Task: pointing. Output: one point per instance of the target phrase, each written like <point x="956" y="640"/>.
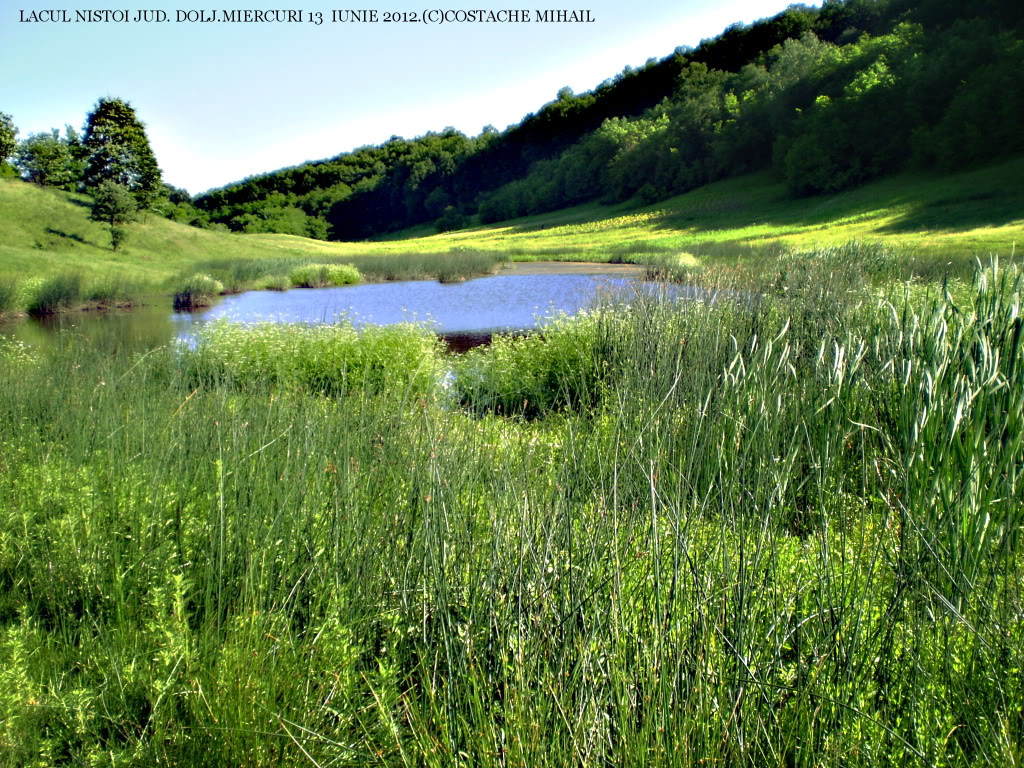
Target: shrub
<point x="450" y="220"/>
<point x="197" y="291"/>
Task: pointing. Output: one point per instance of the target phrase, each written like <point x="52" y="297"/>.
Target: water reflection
<point x="141" y="328"/>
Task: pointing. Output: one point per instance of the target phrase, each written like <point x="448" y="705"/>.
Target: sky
<point x="222" y="101"/>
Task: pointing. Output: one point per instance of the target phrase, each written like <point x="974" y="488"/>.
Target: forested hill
<point x="827" y="97"/>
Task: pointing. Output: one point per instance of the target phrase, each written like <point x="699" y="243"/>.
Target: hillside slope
<point x="963" y="215"/>
<point x="46" y="231"/>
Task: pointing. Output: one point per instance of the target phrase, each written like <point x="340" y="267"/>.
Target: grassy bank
<point x="774" y="528"/>
<point x="294" y="272"/>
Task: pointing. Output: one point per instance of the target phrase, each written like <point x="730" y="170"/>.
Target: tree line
<point x="825" y="98"/>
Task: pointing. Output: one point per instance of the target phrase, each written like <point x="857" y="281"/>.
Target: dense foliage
<point x="52" y="160"/>
<point x="113" y="162"/>
<point x="826" y="98"/>
<point x="8" y="137"/>
<point x="114" y="205"/>
<point x="118" y="151"/>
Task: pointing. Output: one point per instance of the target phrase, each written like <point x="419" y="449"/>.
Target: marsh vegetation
<point x="779" y="527"/>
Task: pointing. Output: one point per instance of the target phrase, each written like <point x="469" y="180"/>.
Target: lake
<point x="465" y="313"/>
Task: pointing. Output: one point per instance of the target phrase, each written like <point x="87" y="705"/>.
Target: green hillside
<point x="46" y="231"/>
<point x="826" y="99"/>
<point x="952" y="218"/>
<point x="961" y="215"/>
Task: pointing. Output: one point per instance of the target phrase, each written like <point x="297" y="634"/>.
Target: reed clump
<point x="335" y="359"/>
<point x="322" y="275"/>
<point x="198" y="290"/>
<point x="9" y="295"/>
<point x="113" y="291"/>
<point x="57" y="293"/>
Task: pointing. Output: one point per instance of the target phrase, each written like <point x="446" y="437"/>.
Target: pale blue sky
<point x="223" y="101"/>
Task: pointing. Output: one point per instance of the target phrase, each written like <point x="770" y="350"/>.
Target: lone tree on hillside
<point x="119" y="152"/>
<point x="115" y="206"/>
<point x="8" y="134"/>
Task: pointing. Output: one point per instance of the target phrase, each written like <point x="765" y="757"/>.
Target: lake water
<point x="466" y="313"/>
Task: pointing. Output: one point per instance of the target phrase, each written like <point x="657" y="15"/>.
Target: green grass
<point x="112" y="291"/>
<point x="947" y="218"/>
<point x="772" y="527"/>
<point x="8" y="295"/>
<point x="56" y="294"/>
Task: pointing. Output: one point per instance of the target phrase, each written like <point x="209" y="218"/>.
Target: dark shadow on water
<point x="134" y="330"/>
<point x="459" y="343"/>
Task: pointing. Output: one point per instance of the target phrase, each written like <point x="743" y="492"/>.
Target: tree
<point x="114" y="205"/>
<point x="46" y="159"/>
<point x="8" y="137"/>
<point x="119" y="152"/>
<point x="451" y="219"/>
<point x="79" y="156"/>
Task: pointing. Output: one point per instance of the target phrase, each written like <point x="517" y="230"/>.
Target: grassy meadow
<point x="772" y="527"/>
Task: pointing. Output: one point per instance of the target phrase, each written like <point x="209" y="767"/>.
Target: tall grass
<point x="56" y="294"/>
<point x="335" y="359"/>
<point x="8" y="295"/>
<point x="320" y="275"/>
<point x="113" y="290"/>
<point x="782" y="531"/>
<point x="67" y="291"/>
<point x="198" y="290"/>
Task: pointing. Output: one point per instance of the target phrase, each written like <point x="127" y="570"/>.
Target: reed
<point x="198" y="290"/>
<point x="779" y="528"/>
<point x="56" y="294"/>
<point x="9" y="295"/>
<point x="321" y="275"/>
<point x="113" y="291"/>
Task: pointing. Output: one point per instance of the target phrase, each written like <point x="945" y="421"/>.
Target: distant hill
<point x="824" y="98"/>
